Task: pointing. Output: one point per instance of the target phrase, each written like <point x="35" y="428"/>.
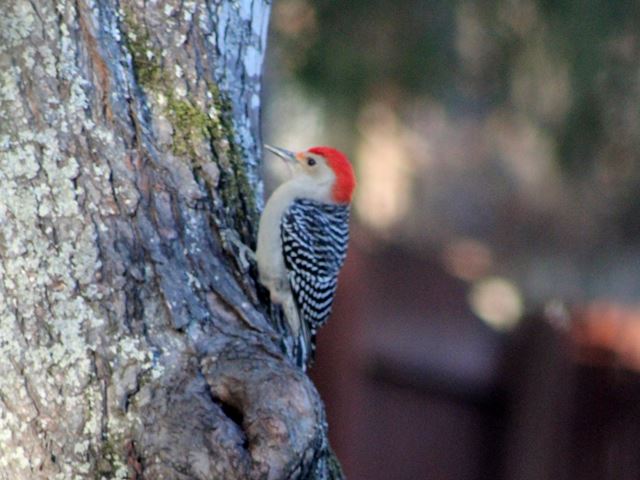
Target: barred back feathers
<point x="314" y="242"/>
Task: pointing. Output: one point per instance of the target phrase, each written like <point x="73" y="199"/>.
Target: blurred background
<point x="487" y="323"/>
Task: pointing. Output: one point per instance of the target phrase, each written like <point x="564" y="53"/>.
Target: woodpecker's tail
<point x="305" y="347"/>
<point x="298" y="346"/>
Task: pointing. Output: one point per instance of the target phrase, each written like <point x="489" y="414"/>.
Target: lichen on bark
<point x="49" y="303"/>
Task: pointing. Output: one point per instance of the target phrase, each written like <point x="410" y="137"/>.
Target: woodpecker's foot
<point x="244" y="255"/>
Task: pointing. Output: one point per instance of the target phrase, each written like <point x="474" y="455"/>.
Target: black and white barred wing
<point x="314" y="242"/>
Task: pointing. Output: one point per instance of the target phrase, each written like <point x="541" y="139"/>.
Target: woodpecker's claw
<point x="243" y="254"/>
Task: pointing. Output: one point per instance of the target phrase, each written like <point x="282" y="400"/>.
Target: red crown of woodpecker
<point x="345" y="179"/>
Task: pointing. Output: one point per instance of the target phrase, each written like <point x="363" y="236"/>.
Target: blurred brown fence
<point x="417" y="387"/>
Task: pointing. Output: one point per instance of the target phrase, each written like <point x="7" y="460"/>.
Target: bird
<point x="303" y="234"/>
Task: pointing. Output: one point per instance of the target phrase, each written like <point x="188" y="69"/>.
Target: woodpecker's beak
<point x="288" y="156"/>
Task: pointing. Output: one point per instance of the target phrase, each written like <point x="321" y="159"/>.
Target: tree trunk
<point x="132" y="345"/>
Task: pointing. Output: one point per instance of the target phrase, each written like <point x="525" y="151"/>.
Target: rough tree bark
<point x="131" y="343"/>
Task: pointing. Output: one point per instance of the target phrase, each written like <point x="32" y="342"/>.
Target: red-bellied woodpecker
<point x="302" y="240"/>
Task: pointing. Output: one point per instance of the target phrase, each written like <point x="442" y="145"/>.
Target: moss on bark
<point x="195" y="126"/>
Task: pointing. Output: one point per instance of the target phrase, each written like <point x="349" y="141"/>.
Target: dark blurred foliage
<point x="361" y="45"/>
<point x="355" y="48"/>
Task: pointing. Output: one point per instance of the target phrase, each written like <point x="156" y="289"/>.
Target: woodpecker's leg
<point x="291" y="312"/>
<point x="244" y="255"/>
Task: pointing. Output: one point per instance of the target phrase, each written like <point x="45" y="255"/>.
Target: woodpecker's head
<point x="325" y="167"/>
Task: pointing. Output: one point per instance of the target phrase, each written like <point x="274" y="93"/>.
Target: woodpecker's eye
<point x="311" y="161"/>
